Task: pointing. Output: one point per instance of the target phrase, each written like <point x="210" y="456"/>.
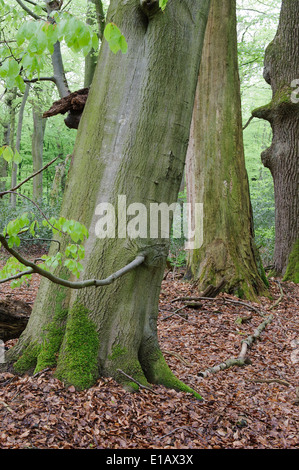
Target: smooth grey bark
<point x="132" y="141"/>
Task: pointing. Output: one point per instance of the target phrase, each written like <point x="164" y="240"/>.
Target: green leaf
<point x="13" y="68"/>
<point x="162" y="4"/>
<point x="7" y="154"/>
<point x="20" y="83"/>
<point x="115" y="38"/>
<point x="123" y="44"/>
<point x="17" y="158"/>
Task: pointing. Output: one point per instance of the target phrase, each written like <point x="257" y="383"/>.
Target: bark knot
<point x="150" y="7"/>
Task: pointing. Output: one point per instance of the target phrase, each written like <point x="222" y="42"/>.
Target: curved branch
<point x="65" y="283"/>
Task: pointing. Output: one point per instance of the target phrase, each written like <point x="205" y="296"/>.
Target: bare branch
<point x="27" y="179"/>
<point x="40" y="79"/>
<point x="30" y="12"/>
<point x="247" y="123"/>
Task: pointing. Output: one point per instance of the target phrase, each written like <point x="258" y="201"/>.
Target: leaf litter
<point x="251" y="407"/>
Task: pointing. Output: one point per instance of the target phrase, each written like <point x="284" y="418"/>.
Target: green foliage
<point x="12" y="267"/>
<point x="162" y="4"/>
<point x="71" y="257"/>
<point x="35" y="39"/>
<point x="115" y="38"/>
<point x="10" y="155"/>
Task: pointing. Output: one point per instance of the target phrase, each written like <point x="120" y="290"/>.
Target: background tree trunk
<point x="281" y="68"/>
<point x="15" y="167"/>
<point x="39" y="125"/>
<point x="216" y="175"/>
<point x="3" y="163"/>
<point x="132" y="141"/>
<point x="95" y="15"/>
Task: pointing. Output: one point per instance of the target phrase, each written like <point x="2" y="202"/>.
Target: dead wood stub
<point x="14" y="316"/>
<point x="73" y="104"/>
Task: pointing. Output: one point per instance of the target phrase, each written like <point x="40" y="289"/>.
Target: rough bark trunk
<point x="131" y="142"/>
<point x="215" y="170"/>
<point x="281" y="68"/>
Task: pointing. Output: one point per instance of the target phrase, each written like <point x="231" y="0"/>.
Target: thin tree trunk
<point x="37" y="151"/>
<point x="281" y="68"/>
<point x="131" y="142"/>
<point x="14" y="172"/>
<point x="215" y="170"/>
<point x="95" y="15"/>
<point x="3" y="163"/>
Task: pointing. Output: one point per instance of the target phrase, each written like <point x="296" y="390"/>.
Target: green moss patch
<point x="27" y="361"/>
<point x="78" y="358"/>
<point x="292" y="271"/>
<point x="158" y="372"/>
<point x="51" y="344"/>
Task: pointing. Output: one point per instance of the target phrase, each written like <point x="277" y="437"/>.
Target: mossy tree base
<point x="131" y="141"/>
<point x="292" y="271"/>
<point x="71" y="348"/>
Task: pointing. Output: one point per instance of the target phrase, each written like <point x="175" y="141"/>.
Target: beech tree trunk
<point x="132" y="141"/>
<point x="215" y="170"/>
<point x="281" y="69"/>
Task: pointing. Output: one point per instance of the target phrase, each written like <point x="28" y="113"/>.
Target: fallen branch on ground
<point x="178" y="356"/>
<point x="241" y="360"/>
<point x="135" y="381"/>
<point x="222" y="299"/>
<point x="269" y="381"/>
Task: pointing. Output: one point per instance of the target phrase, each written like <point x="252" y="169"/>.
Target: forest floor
<point x="251" y="407"/>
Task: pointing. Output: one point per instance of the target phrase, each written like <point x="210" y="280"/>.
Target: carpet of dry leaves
<point x="253" y="407"/>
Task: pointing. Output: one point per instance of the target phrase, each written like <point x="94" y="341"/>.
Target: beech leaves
<point x="115" y="38"/>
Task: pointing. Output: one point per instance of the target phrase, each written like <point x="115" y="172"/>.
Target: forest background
<point x="257" y="24"/>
